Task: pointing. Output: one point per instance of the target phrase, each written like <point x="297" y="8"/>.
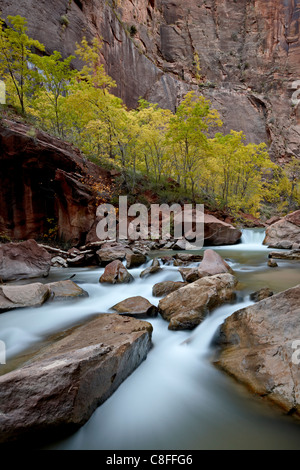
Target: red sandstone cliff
<point x="249" y="53"/>
<point x="43" y="186"/>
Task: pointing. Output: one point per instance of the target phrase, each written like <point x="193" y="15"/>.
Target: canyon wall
<point x="248" y="52"/>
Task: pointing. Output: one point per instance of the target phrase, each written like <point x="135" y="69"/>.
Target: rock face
<point x="137" y="307"/>
<point x="32" y="295"/>
<point x="63" y="385"/>
<point x="248" y="53"/>
<point x="24" y="260"/>
<point x="47" y="190"/>
<point x="284" y="233"/>
<point x="187" y="307"/>
<point x="259" y="348"/>
<point x="217" y="232"/>
<point x="116" y="273"/>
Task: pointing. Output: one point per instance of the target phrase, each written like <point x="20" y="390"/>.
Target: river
<point x="176" y="399"/>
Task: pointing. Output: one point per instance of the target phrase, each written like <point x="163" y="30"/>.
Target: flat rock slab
<point x="138" y="307"/>
<point x="289" y="255"/>
<point x="187" y="307"/>
<point x="259" y="348"/>
<point x="31" y="295"/>
<point x="59" y="389"/>
<point x="66" y="290"/>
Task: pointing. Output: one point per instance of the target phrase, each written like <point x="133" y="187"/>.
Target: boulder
<point x="116" y="273"/>
<point x="59" y="389"/>
<point x="284" y="233"/>
<point x="138" y="307"/>
<point x="262" y="294"/>
<point x="189" y="274"/>
<point x="187" y="307"/>
<point x="272" y="263"/>
<point x="31" y="295"/>
<point x="66" y="290"/>
<point x="134" y="260"/>
<point x="218" y="233"/>
<point x="153" y="269"/>
<point x="258" y="347"/>
<point x="212" y="264"/>
<point x="110" y="253"/>
<point x="162" y="289"/>
<point x="59" y="262"/>
<point x="25" y="260"/>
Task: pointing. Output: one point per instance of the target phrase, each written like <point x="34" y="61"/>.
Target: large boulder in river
<point x="212" y="264"/>
<point x="260" y="347"/>
<point x="31" y="295"/>
<point x="66" y="290"/>
<point x="116" y="273"/>
<point x="111" y="252"/>
<point x="60" y="388"/>
<point x="187" y="307"/>
<point x="284" y="233"/>
<point x="134" y="260"/>
<point x="138" y="307"/>
<point x="25" y="260"/>
<point x="217" y="232"/>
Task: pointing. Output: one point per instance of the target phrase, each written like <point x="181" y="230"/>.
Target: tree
<point x="16" y="52"/>
<point x="55" y="75"/>
<point x="188" y="136"/>
<point x="153" y="122"/>
<point x="292" y="170"/>
<point x="241" y="172"/>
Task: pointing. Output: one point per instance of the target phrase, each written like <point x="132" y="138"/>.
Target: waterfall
<point x="253" y="237"/>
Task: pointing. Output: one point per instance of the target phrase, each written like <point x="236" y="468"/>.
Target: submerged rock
<point x="60" y="388"/>
<point x="116" y="273"/>
<point x="258" y="347"/>
<point x="262" y="294"/>
<point x="138" y="307"/>
<point x="187" y="307"/>
<point x="290" y="255"/>
<point x="24" y="260"/>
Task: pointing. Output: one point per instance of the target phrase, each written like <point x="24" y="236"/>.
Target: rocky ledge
<point x="285" y="233"/>
<point x="258" y="347"/>
<point x="58" y="390"/>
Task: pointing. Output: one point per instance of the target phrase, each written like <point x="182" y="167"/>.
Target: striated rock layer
<point x="43" y="186"/>
<point x="248" y="55"/>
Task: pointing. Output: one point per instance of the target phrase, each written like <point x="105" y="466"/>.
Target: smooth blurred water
<point x="176" y="399"/>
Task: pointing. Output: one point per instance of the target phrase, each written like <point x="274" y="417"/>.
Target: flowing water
<point x="176" y="399"/>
